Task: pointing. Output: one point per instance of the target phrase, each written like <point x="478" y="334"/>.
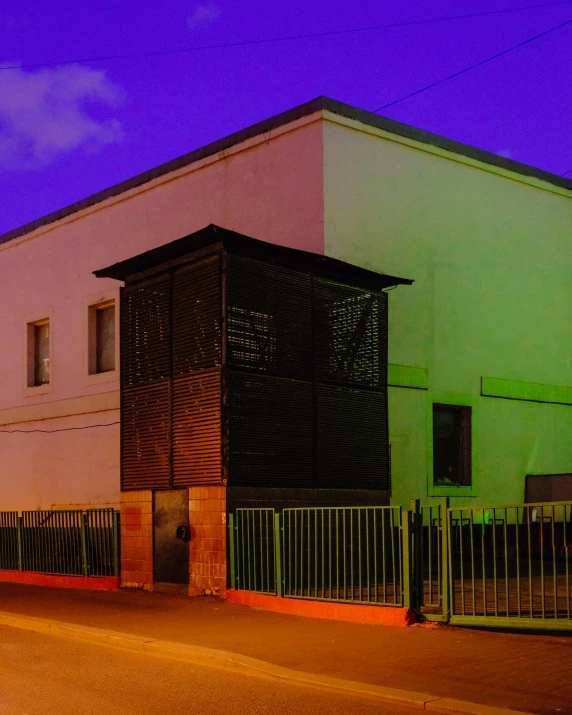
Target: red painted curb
<point x="107" y="583"/>
<point x="375" y="615"/>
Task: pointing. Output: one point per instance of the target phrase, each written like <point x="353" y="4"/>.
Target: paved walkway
<point x="531" y="673"/>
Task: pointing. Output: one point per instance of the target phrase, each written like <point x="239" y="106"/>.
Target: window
<point x="451" y="446"/>
<point x="39" y="353"/>
<point x="102" y="338"/>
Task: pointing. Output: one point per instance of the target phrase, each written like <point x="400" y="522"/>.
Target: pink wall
<point x="272" y="190"/>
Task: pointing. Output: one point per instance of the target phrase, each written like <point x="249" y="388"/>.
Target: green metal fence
<point x="253" y="550"/>
<point x="64" y="542"/>
<point x="343" y="554"/>
<point x="9" y="541"/>
<point x="429" y="564"/>
<point x="511" y="565"/>
<point x="352" y="554"/>
<point x="503" y="566"/>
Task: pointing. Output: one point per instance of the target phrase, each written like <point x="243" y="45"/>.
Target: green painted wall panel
<point x="491" y="261"/>
<point x="533" y="391"/>
<point x="407" y="376"/>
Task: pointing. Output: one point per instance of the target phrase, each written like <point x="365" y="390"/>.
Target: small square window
<point x="39" y="353"/>
<point x="102" y="338"/>
<point x="451" y="446"/>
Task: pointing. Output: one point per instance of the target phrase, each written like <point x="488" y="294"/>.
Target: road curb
<point x="200" y="655"/>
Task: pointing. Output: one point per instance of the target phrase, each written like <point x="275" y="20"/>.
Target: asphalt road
<point x="43" y="674"/>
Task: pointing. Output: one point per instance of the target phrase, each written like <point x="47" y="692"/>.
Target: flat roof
<point x="175" y="252"/>
<point x="303" y="110"/>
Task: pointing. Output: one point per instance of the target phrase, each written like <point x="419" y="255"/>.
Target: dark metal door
<point x="171" y="536"/>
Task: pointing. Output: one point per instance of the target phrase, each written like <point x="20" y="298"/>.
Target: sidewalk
<point x="531" y="673"/>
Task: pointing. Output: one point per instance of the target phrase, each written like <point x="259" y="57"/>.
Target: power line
<point x="285" y="38"/>
<point x="472" y="67"/>
<point x="566" y="172"/>
<point x="51" y="431"/>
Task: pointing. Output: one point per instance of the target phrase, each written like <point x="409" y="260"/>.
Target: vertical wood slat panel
<point x="197" y="429"/>
<point x="145" y="436"/>
<point x="171" y="397"/>
<point x="146" y="332"/>
<point x="197" y="316"/>
<point x="145" y="389"/>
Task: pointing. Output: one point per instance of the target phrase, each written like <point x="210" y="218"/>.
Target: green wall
<point x="491" y="257"/>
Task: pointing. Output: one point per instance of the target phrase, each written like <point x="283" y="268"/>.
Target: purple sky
<point x="68" y="131"/>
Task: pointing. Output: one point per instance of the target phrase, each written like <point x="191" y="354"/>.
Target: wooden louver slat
<point x="197" y="429"/>
<point x="352" y="438"/>
<point x="350" y="334"/>
<point x="270" y="431"/>
<point x="197" y="316"/>
<point x="145" y="436"/>
<point x="145" y="332"/>
<point x="268" y="319"/>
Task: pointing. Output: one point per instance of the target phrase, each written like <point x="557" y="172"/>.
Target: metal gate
<point x="506" y="566"/>
<point x="510" y="565"/>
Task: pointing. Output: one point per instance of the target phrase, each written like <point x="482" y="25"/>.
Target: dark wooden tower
<point x="251" y="366"/>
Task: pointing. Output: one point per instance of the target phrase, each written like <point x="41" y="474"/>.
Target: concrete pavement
<point x="41" y="675"/>
<point x="528" y="673"/>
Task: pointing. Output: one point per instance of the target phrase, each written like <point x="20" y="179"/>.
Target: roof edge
<point x="410" y="132"/>
<point x="181" y="250"/>
<point x="303" y="110"/>
<point x="254" y="130"/>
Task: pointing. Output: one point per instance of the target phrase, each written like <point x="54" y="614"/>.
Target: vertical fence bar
<point x="368" y="579"/>
<point x="383" y="552"/>
<point x="116" y="542"/>
<point x="19" y="537"/>
<point x="495" y="575"/>
<point x="444" y="551"/>
<point x="323" y="558"/>
<point x="406" y="555"/>
<point x="83" y="522"/>
<point x="375" y="554"/>
<point x="505" y="539"/>
<point x="231" y="546"/>
<point x="393" y="554"/>
<point x="451" y="581"/>
<point x="472" y="547"/>
<point x="517" y="540"/>
<point x="277" y="555"/>
<point x="542" y="585"/>
<point x="567" y="517"/>
<point x="528" y="521"/>
<point x="554" y="582"/>
<point x="417" y="555"/>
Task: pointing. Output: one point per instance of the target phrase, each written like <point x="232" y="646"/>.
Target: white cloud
<point x="7" y="22"/>
<point x="52" y="111"/>
<point x="203" y="14"/>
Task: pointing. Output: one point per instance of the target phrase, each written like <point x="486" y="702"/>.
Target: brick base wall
<point x="207" y="516"/>
<point x="137" y="540"/>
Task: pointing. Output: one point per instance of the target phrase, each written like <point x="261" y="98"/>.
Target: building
<point x="480" y="366"/>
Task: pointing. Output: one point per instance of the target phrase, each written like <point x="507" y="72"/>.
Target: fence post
<point x="83" y="518"/>
<point x="231" y="551"/>
<point x="416" y="554"/>
<point x="116" y="543"/>
<point x="445" y="559"/>
<point x="278" y="554"/>
<point x="406" y="550"/>
<point x="19" y="537"/>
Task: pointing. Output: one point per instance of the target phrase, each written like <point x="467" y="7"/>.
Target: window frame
<point x="32" y="321"/>
<point x="94" y="303"/>
<point x="459" y="400"/>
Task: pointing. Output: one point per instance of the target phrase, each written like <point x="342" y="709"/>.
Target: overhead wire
<point x="474" y="66"/>
<point x="51" y="431"/>
<point x="284" y="38"/>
